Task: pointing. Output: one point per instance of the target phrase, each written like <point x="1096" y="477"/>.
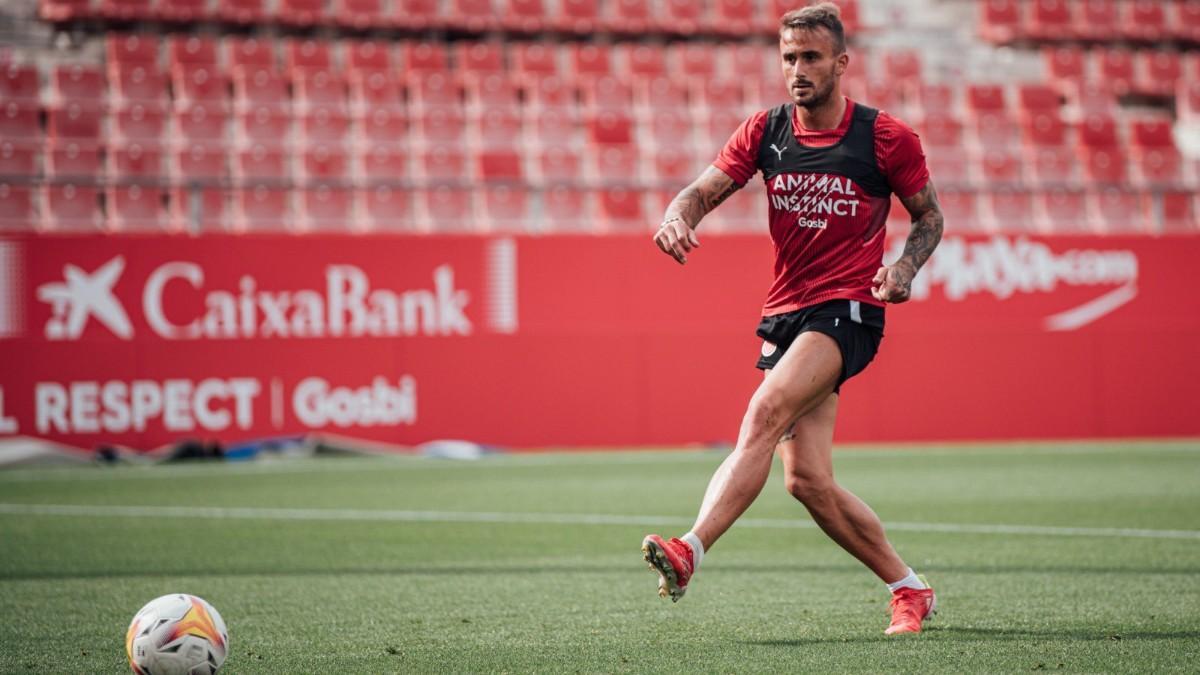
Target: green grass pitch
<point x="532" y="563"/>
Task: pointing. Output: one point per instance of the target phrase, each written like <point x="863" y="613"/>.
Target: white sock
<point x="910" y="581"/>
<point x="697" y="548"/>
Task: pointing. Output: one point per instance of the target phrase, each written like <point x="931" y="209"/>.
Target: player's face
<point x="811" y="65"/>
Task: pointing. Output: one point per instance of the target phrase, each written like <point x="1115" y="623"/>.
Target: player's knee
<point x="767" y="412"/>
<point x="810" y="489"/>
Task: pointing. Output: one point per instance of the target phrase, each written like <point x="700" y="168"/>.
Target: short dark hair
<point x="823" y="15"/>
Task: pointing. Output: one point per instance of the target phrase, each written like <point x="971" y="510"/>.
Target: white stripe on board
<point x="374" y="515"/>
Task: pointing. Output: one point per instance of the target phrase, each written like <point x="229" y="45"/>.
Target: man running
<point x="830" y="166"/>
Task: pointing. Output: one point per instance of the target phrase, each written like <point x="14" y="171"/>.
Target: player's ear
<point x="840" y="63"/>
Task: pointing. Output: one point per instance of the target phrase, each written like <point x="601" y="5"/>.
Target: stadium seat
<point x="19" y="83"/>
<point x="589" y="60"/>
<point x="1157" y="72"/>
<point x="257" y="86"/>
<point x="322" y="124"/>
<point x="1050" y="20"/>
<point x="73" y="160"/>
<point x="249" y="53"/>
<point x="578" y="16"/>
<point x="994" y="130"/>
<point x="1104" y="165"/>
<point x="199" y="209"/>
<point x="444" y="209"/>
<point x="1158" y="167"/>
<point x="933" y="97"/>
<point x="444" y="164"/>
<point x="1044" y="129"/>
<point x="1063" y="211"/>
<point x="136" y="83"/>
<point x="491" y="90"/>
<point x="19" y="159"/>
<point x="262" y="125"/>
<point x="135" y="208"/>
<point x="474" y="16"/>
<point x="630" y="17"/>
<point x="1000" y="167"/>
<point x="950" y="167"/>
<point x="1054" y="166"/>
<point x="306" y="55"/>
<point x="381" y="163"/>
<point x="323" y="163"/>
<point x="371" y="90"/>
<point x="680" y="17"/>
<point x="17" y="210"/>
<point x="425" y="57"/>
<point x="199" y="123"/>
<point x="663" y="93"/>
<point x="134" y="160"/>
<point x="70" y="207"/>
<point x="1097" y="20"/>
<point x="1001" y="21"/>
<point x="1098" y="131"/>
<point x="77" y="84"/>
<point x="479" y="57"/>
<point x="440" y="126"/>
<point x="672" y="166"/>
<point x="191" y="50"/>
<point x="1065" y="64"/>
<point x="556" y="128"/>
<point x="1033" y="98"/>
<point x="259" y="163"/>
<point x="125" y="10"/>
<point x="1009" y="211"/>
<point x="1151" y="133"/>
<point x="194" y="83"/>
<point x="735" y="18"/>
<point x="367" y="57"/>
<point x="506" y="208"/>
<point x="382" y="126"/>
<point x="1114" y="67"/>
<point x="75" y="121"/>
<point x="57" y="11"/>
<point x="719" y="94"/>
<point x="134" y="49"/>
<point x="301" y="12"/>
<point x="416" y="14"/>
<point x="641" y="60"/>
<point x="961" y="210"/>
<point x="610" y="127"/>
<point x="19" y="120"/>
<point x="1179" y="213"/>
<point x="245" y="12"/>
<point x="566" y="209"/>
<point x="1188" y="101"/>
<point x="262" y="208"/>
<point x="671" y="127"/>
<point x="557" y="166"/>
<point x="1121" y="211"/>
<point x="693" y="60"/>
<point x="499" y="127"/>
<point x="138" y="122"/>
<point x="622" y="210"/>
<point x="1187" y="21"/>
<point x="606" y="92"/>
<point x="522" y="16"/>
<point x="901" y="66"/>
<point x="986" y="98"/>
<point x="385" y="209"/>
<point x="182" y="11"/>
<point x="613" y="163"/>
<point x="318" y="88"/>
<point x="548" y="92"/>
<point x="940" y="129"/>
<point x="327" y="208"/>
<point x="1144" y="20"/>
<point x="434" y="90"/>
<point x="535" y="58"/>
<point x="197" y="163"/>
<point x="718" y="126"/>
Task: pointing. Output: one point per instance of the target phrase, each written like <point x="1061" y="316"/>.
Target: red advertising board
<point x="569" y="341"/>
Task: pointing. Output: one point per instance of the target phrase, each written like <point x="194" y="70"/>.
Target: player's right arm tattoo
<point x="703" y="195"/>
<point x="926" y="226"/>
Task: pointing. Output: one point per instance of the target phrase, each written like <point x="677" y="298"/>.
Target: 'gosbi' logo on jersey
<point x="813" y="195"/>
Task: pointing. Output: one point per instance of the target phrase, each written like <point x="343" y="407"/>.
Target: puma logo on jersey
<point x="779" y="151"/>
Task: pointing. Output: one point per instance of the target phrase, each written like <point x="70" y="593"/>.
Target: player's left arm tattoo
<point x="926" y="228"/>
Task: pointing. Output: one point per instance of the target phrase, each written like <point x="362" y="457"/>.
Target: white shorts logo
<point x="768" y="348"/>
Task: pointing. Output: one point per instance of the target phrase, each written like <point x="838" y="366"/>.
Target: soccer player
<point x="830" y="166"/>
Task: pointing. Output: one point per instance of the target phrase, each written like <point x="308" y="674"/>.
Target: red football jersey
<point x="828" y="229"/>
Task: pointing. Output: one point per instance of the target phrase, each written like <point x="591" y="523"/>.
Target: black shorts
<point x="856" y="327"/>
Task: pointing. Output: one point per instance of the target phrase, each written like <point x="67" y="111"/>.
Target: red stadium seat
<point x="1188" y="101"/>
<point x="445" y="209"/>
<point x="749" y="61"/>
<point x="640" y="60"/>
<point x="994" y="130"/>
<point x="606" y="93"/>
<point x="499" y="127"/>
<point x="445" y="164"/>
<point x="479" y="57"/>
<point x="1097" y="20"/>
<point x="941" y="129"/>
<point x="425" y="57"/>
<point x="370" y="90"/>
<point x="986" y="98"/>
<point x="1063" y="211"/>
<point x="64" y="10"/>
<point x="733" y="17"/>
<point x="77" y="84"/>
<point x="259" y="163"/>
<point x="134" y="160"/>
<point x="262" y="208"/>
<point x="249" y="53"/>
<point x="382" y="125"/>
<point x="1157" y="72"/>
<point x="1065" y="64"/>
<point x="1009" y="211"/>
<point x="935" y="97"/>
<point x="718" y="126"/>
<point x="139" y="122"/>
<point x="719" y="94"/>
<point x="557" y="166"/>
<point x="1144" y="20"/>
<point x="1114" y="67"/>
<point x="306" y="55"/>
<point x="435" y="90"/>
<point x="135" y="208"/>
<point x="621" y="210"/>
<point x="999" y="167"/>
<point x="132" y="49"/>
<point x="312" y="88"/>
<point x="199" y="84"/>
<point x="191" y="50"/>
<point x="17" y="210"/>
<point x="183" y="11"/>
<point x="578" y="16"/>
<point x="680" y="17"/>
<point x="671" y="127"/>
<point x="1151" y="133"/>
<point x="19" y="159"/>
<point x="567" y="209"/>
<point x="19" y="83"/>
<point x="961" y="210"/>
<point x="548" y="92"/>
<point x="662" y="93"/>
<point x="902" y="65"/>
<point x="322" y="124"/>
<point x="1038" y="98"/>
<point x="474" y="16"/>
<point x="1098" y="131"/>
<point x="70" y="207"/>
<point x="323" y="163"/>
<point x="368" y="56"/>
<point x="255" y="86"/>
<point x="1158" y="167"/>
<point x="381" y="163"/>
<point x="198" y="162"/>
<point x="385" y="208"/>
<point x="692" y="59"/>
<point x="1045" y="129"/>
<point x="72" y="159"/>
<point x="1104" y="165"/>
<point x="76" y="121"/>
<point x="949" y="167"/>
<point x="416" y="14"/>
<point x="242" y="11"/>
<point x="491" y="90"/>
<point x="589" y="60"/>
<point x="672" y="165"/>
<point x="199" y="123"/>
<point x="535" y="58"/>
<point x="1054" y="166"/>
<point x="610" y="128"/>
<point x="202" y="210"/>
<point x="1050" y="20"/>
<point x="631" y="17"/>
<point x="555" y="127"/>
<point x="613" y="163"/>
<point x="1179" y="212"/>
<point x="499" y="165"/>
<point x="1187" y="21"/>
<point x="326" y="208"/>
<point x="19" y="120"/>
<point x="125" y="10"/>
<point x="262" y="125"/>
<point x="136" y="83"/>
<point x="302" y="12"/>
<point x="506" y="208"/>
<point x="1121" y="211"/>
<point x="522" y="16"/>
<point x="1001" y="21"/>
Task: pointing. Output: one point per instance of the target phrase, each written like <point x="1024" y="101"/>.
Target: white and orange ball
<point x="177" y="634"/>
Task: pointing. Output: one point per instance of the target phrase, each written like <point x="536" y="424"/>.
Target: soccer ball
<point x="177" y="634"/>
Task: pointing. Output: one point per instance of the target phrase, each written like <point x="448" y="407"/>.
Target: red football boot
<point x="910" y="607"/>
<point x="673" y="560"/>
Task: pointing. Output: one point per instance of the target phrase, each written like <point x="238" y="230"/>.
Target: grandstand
<point x="463" y="116"/>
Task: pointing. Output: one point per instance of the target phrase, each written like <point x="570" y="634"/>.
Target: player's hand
<point x="676" y="239"/>
<point x="893" y="283"/>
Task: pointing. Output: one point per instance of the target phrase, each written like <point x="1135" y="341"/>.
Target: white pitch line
<point x="373" y="515"/>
